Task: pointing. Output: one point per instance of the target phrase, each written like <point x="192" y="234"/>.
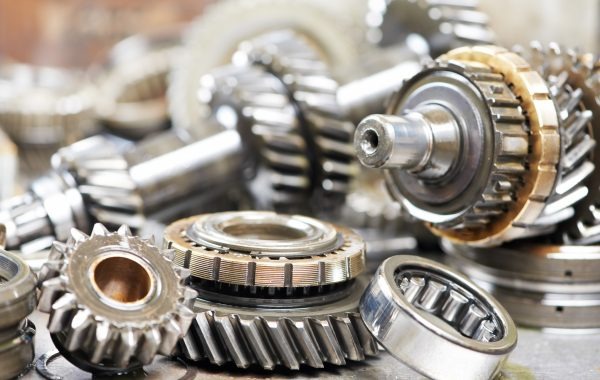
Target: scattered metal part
<point x="119" y="290"/>
<point x="456" y="329"/>
<point x="41" y="365"/>
<point x="305" y="335"/>
<point x="132" y="90"/>
<point x="483" y="201"/>
<point x="17" y="291"/>
<point x="17" y="352"/>
<point x="541" y="285"/>
<point x="443" y="25"/>
<point x="265" y="249"/>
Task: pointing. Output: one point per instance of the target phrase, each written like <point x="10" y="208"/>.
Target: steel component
<point x="457" y="329"/>
<point x="306" y="335"/>
<point x="118" y="290"/>
<point x="133" y="84"/>
<point x="541" y="285"/>
<point x="443" y="25"/>
<point x="237" y="21"/>
<point x="17" y="291"/>
<point x="17" y="352"/>
<point x="511" y="119"/>
<point x="257" y="248"/>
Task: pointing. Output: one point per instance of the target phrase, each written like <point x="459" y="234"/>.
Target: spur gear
<point x="235" y="21"/>
<point x="443" y="24"/>
<point x="329" y="332"/>
<point x="512" y="119"/>
<point x="119" y="291"/>
<point x="265" y="249"/>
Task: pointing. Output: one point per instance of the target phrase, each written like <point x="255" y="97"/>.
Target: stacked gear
<point x="17" y="301"/>
<point x="119" y="291"/>
<point x="481" y="148"/>
<point x="274" y="290"/>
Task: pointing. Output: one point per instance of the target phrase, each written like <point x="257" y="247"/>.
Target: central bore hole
<point x="370" y="141"/>
<point x="122" y="279"/>
<point x="264" y="231"/>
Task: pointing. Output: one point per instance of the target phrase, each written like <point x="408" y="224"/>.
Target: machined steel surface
<point x="541" y="285"/>
<point x="17" y="291"/>
<point x="457" y="330"/>
<point x="265" y="249"/>
<point x="118" y="290"/>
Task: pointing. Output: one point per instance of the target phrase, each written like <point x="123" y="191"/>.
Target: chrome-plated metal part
<point x="511" y="118"/>
<point x="441" y="25"/>
<point x="237" y="21"/>
<point x="265" y="249"/>
<point x="541" y="285"/>
<point x="132" y="87"/>
<point x="119" y="291"/>
<point x="456" y="329"/>
<point x="17" y="291"/>
<point x="329" y="332"/>
<point x="17" y="352"/>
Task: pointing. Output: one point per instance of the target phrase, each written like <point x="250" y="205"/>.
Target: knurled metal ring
<point x="17" y="352"/>
<point x="436" y="321"/>
<point x="258" y="248"/>
<point x="540" y="179"/>
<point x="17" y="290"/>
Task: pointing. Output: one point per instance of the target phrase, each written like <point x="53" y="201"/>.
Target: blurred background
<point x="76" y="33"/>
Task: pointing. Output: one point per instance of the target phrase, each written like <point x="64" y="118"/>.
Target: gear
<point x="236" y="21"/>
<point x="482" y="201"/>
<point x="292" y="58"/>
<point x="443" y="24"/>
<point x="328" y="332"/>
<point x="119" y="291"/>
<point x="265" y="249"/>
<point x="269" y="119"/>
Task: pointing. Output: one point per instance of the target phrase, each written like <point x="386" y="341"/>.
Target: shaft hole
<point x="370" y="141"/>
<point x="568" y="273"/>
<point x="559" y="309"/>
<point x="122" y="279"/>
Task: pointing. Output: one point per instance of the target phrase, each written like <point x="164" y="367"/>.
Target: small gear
<point x="303" y="69"/>
<point x="443" y="24"/>
<point x="265" y="249"/>
<point x="235" y="21"/>
<point x="311" y="335"/>
<point x="118" y="291"/>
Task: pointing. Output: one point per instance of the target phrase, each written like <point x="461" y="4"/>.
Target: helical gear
<point x="236" y="21"/>
<point x="118" y="291"/>
<point x="293" y="59"/>
<point x="268" y="117"/>
<point x="443" y="24"/>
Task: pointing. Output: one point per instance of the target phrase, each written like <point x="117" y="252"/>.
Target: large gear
<point x="516" y="146"/>
<point x="312" y="335"/>
<point x="303" y="69"/>
<point x="240" y="20"/>
<point x="267" y="116"/>
<point x="443" y="24"/>
<point x="265" y="249"/>
<point x="119" y="291"/>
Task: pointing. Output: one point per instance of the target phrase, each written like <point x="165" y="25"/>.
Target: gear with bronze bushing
<point x="118" y="291"/>
<point x="472" y="146"/>
<point x="265" y="249"/>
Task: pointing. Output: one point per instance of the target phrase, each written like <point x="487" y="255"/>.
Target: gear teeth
<point x="61" y="313"/>
<point x="285" y="341"/>
<point x="54" y="288"/>
<point x="99" y="230"/>
<point x="77" y="237"/>
<point x="149" y="347"/>
<point x="103" y="336"/>
<point x="78" y="333"/>
<point x="124" y="231"/>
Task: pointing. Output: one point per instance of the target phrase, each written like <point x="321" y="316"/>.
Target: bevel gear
<point x="329" y="331"/>
<point x="265" y="249"/>
<point x="330" y="30"/>
<point x="444" y="24"/>
<point x="304" y="71"/>
<point x="482" y="185"/>
<point x="115" y="300"/>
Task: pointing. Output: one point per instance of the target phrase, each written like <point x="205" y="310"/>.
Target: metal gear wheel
<point x="17" y="292"/>
<point x="517" y="126"/>
<point x="444" y="24"/>
<point x="322" y="23"/>
<point x="266" y="115"/>
<point x="330" y="331"/>
<point x="119" y="291"/>
<point x="304" y="70"/>
<point x="265" y="249"/>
